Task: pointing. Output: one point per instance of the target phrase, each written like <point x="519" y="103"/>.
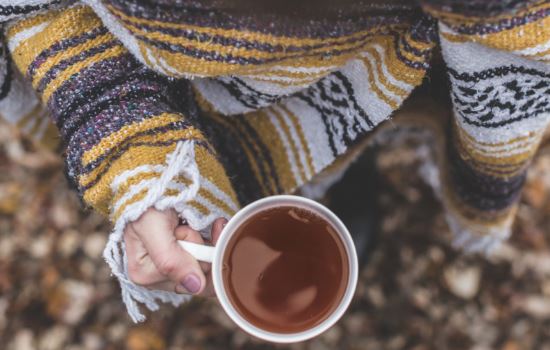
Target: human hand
<point x="157" y="261"/>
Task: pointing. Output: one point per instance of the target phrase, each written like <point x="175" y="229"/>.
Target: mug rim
<point x="228" y="232"/>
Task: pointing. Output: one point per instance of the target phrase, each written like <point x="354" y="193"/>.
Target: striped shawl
<point x="194" y="106"/>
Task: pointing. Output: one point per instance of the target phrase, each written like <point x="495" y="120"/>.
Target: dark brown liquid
<point x="285" y="270"/>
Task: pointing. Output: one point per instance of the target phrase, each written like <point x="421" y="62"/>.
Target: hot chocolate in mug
<point x="284" y="268"/>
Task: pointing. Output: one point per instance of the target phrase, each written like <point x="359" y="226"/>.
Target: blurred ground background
<point x="416" y="292"/>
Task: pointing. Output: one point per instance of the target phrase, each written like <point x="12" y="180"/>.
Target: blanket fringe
<point x="181" y="161"/>
<point x="463" y="238"/>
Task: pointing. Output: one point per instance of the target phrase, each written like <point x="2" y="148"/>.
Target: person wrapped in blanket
<point x="189" y="109"/>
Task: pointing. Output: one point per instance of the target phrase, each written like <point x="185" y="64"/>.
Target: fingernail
<point x="192" y="283"/>
<point x="225" y="221"/>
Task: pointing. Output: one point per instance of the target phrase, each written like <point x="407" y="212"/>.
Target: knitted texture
<point x="195" y="106"/>
<point x="20" y="106"/>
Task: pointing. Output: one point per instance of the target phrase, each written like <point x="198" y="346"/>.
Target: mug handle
<point x="200" y="252"/>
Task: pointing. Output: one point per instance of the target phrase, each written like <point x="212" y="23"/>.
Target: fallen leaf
<point x="463" y="281"/>
<point x="144" y="338"/>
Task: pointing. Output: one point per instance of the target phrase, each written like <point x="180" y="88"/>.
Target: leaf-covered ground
<point x="417" y="292"/>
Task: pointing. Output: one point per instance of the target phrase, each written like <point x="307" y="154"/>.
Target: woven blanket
<point x="202" y="107"/>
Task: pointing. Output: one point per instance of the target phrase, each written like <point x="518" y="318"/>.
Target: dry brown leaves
<point x="416" y="292"/>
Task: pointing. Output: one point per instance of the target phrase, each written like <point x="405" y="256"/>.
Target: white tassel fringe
<point x="181" y="161"/>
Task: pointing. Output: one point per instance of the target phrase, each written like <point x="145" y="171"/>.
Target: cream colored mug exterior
<point x="214" y="255"/>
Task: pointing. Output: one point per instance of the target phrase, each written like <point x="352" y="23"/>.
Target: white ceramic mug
<point x="214" y="255"/>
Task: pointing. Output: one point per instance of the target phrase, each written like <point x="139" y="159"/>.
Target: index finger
<point x="217" y="228"/>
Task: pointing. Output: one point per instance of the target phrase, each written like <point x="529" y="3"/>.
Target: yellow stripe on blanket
<point x="65" y="76"/>
<point x="117" y="138"/>
<point x="527" y="36"/>
<point x="247" y="35"/>
<point x="459" y="19"/>
<point x="69" y="53"/>
<point x="69" y="23"/>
